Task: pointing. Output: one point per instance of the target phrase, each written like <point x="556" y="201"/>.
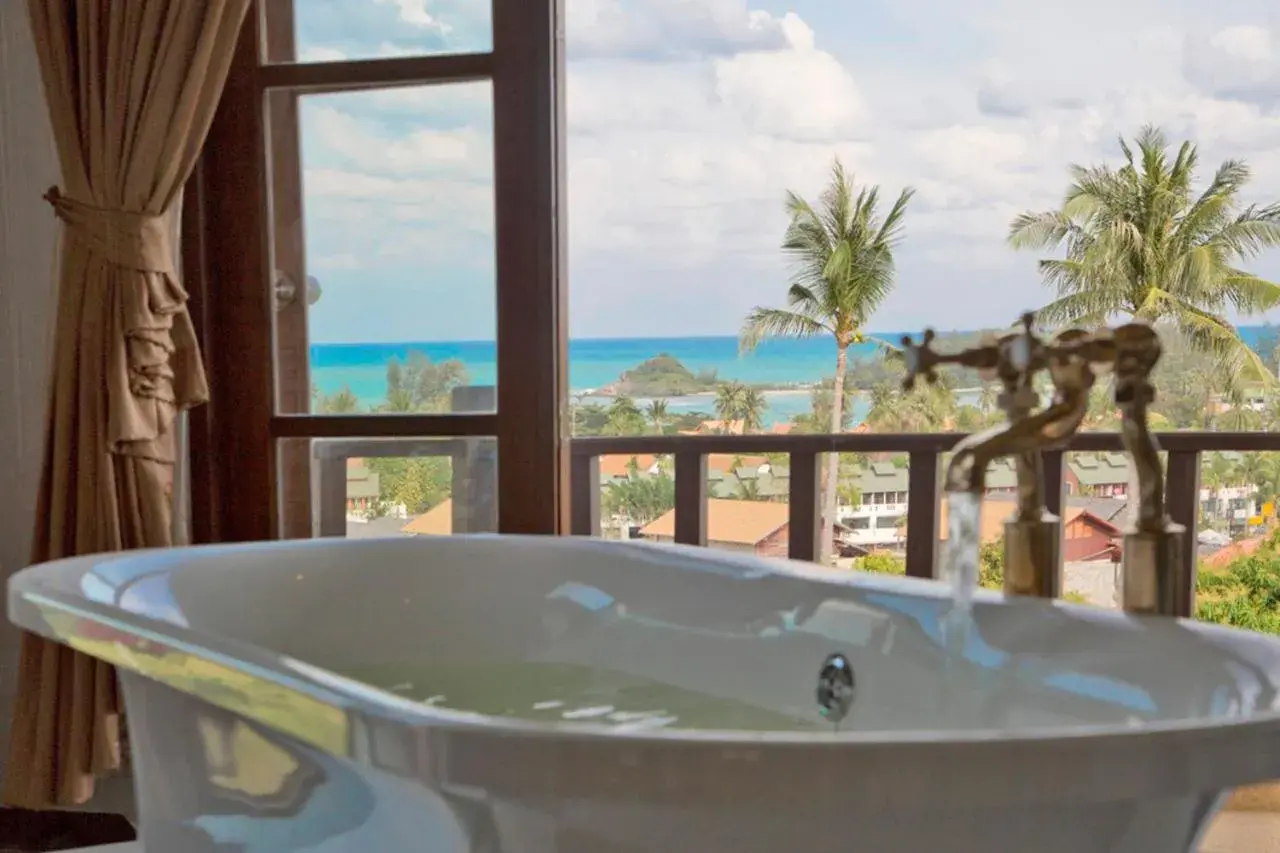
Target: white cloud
<point x="689" y="119"/>
<point x="1248" y="43"/>
<point x="670" y="27"/>
<point x="797" y="91"/>
<point x="1238" y="63"/>
<point x="417" y="13"/>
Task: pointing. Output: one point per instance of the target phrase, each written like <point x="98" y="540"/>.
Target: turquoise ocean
<point x="596" y="362"/>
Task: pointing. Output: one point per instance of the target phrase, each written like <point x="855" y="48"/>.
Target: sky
<point x="689" y="120"/>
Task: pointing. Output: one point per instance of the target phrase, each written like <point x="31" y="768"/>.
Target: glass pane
<point x="338" y="30"/>
<point x="383" y="209"/>
<point x="362" y="488"/>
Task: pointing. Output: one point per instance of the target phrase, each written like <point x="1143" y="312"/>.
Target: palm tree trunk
<point x="833" y="459"/>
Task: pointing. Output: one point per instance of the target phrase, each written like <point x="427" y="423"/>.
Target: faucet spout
<point x="1074" y="360"/>
<point x="1033" y="535"/>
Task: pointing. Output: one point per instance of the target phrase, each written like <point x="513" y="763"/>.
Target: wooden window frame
<point x="242" y="221"/>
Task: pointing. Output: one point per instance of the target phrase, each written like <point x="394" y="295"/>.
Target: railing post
<point x="584" y="495"/>
<point x="474" y="466"/>
<point x="804" y="512"/>
<point x="922" y="514"/>
<point x="1182" y="501"/>
<point x="1054" y="482"/>
<point x="691" y="498"/>
<point x="331" y="474"/>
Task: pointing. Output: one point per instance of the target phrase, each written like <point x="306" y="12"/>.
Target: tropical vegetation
<point x="841" y="249"/>
<point x="1246" y="593"/>
<point x="663" y="376"/>
<point x="1139" y="241"/>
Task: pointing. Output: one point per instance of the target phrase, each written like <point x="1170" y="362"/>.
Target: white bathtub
<point x="1062" y="729"/>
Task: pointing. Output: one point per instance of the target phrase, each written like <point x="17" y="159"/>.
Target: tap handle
<point x="921" y="359"/>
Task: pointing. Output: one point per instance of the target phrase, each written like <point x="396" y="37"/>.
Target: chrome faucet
<point x="1033" y="535"/>
<point x="1153" y="569"/>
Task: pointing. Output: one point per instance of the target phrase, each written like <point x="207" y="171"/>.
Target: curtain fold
<point x="132" y="87"/>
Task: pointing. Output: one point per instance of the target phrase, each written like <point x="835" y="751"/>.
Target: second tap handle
<point x="921" y="359"/>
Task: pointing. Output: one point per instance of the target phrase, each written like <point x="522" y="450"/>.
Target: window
<point x="283" y="242"/>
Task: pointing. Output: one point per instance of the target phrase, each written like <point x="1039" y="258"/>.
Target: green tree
<point x="842" y="253"/>
<point x="1244" y="595"/>
<point x="818" y="419"/>
<point x="1139" y="243"/>
<point x="422" y="385"/>
<point x="418" y="483"/>
<point x="988" y="398"/>
<point x="659" y="416"/>
<point x="729" y="396"/>
<point x="754" y="405"/>
<point x="926" y="408"/>
<point x="344" y="402"/>
<point x="589" y="418"/>
<point x="641" y="498"/>
<point x="625" y="417"/>
<point x="738" y="403"/>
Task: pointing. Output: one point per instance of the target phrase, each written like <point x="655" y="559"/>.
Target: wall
<point x="1084" y="540"/>
<point x="28" y="166"/>
<point x="775" y="544"/>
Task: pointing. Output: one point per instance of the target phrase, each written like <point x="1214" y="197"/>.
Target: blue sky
<point x="689" y="119"/>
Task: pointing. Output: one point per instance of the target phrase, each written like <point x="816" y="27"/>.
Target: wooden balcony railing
<point x="1182" y="485"/>
<point x="474" y="501"/>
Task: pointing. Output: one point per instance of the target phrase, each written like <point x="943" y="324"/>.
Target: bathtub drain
<point x="835" y="688"/>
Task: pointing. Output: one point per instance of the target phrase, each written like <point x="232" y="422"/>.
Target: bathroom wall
<point x="28" y="166"/>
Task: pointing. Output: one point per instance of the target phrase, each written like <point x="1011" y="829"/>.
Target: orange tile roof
<point x="730" y="522"/>
<point x="437" y="521"/>
<point x="731" y="427"/>
<point x="723" y="462"/>
<point x="617" y="465"/>
<point x="1245" y="547"/>
<point x="782" y="429"/>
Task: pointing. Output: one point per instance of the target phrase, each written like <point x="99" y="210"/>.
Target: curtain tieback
<point x="127" y="239"/>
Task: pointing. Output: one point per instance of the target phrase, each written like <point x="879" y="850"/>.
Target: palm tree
<point x="728" y="405"/>
<point x="1239" y="415"/>
<point x="342" y="403"/>
<point x="659" y="416"/>
<point x="399" y="400"/>
<point x="1140" y="244"/>
<point x="1217" y="475"/>
<point x="842" y="252"/>
<point x="988" y="397"/>
<point x="926" y="408"/>
<point x="751" y="412"/>
<point x="625" y="417"/>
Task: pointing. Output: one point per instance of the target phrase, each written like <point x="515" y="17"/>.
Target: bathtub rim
<point x="1242" y="749"/>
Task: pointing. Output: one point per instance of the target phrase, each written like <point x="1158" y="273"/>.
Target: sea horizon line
<point x="708" y="336"/>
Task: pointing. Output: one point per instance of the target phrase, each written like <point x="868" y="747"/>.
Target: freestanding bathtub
<point x="575" y="696"/>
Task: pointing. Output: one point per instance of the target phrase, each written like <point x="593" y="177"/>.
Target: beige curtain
<point x="132" y="86"/>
